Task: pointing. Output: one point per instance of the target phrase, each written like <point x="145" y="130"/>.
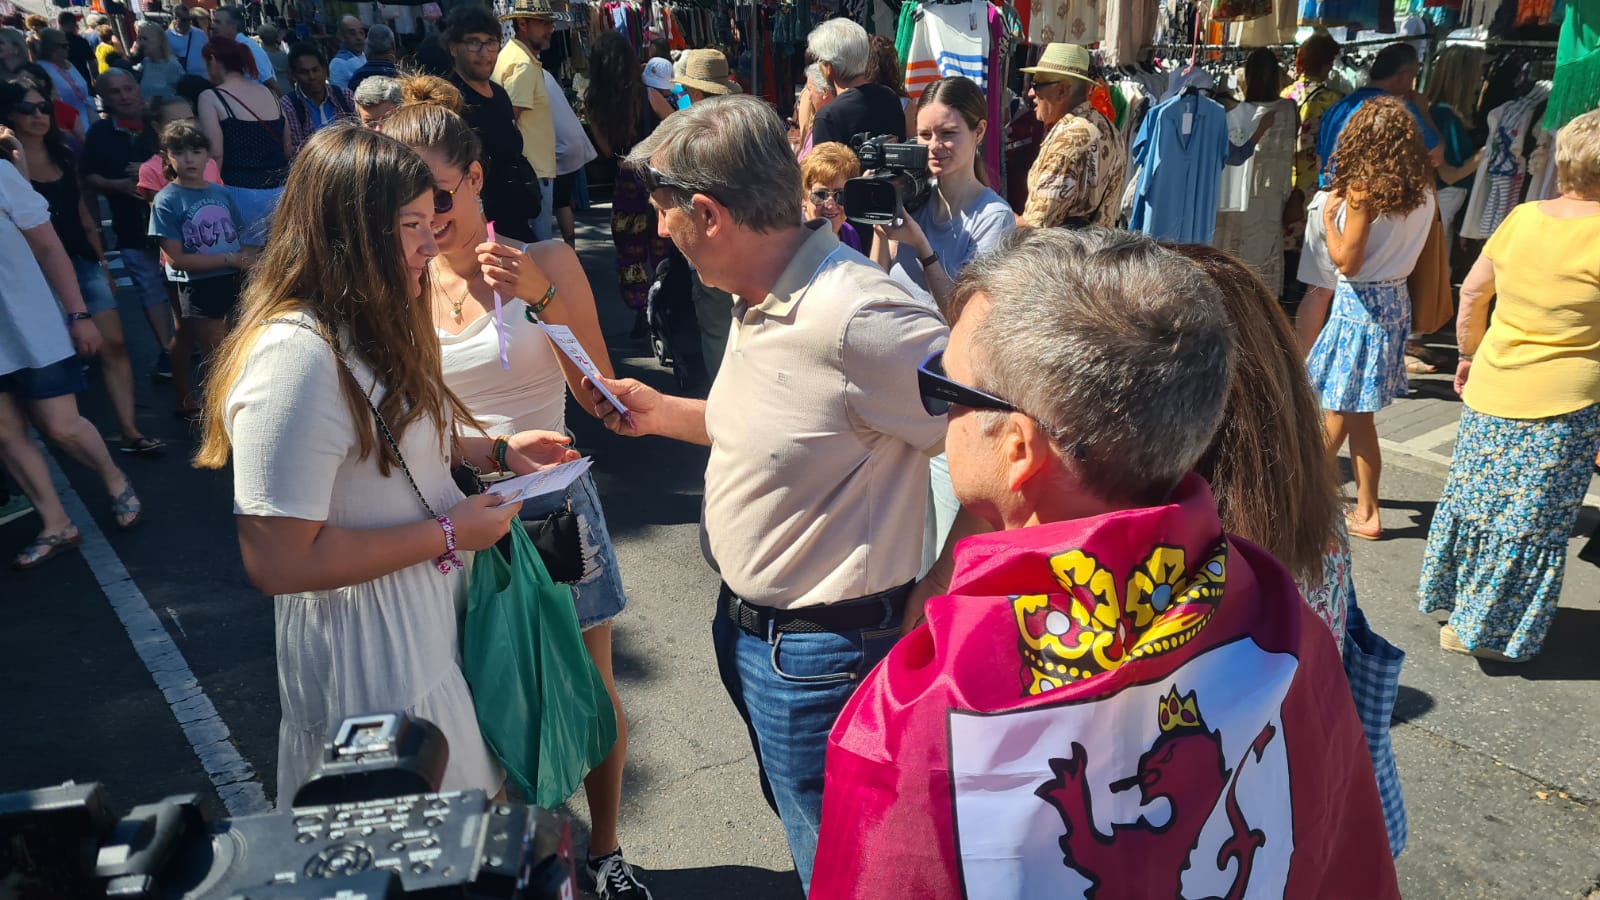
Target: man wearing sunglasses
<point x="1111" y="692"/>
<point x="511" y="187"/>
<point x="817" y="483"/>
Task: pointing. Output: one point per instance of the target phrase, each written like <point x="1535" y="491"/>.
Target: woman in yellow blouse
<point x="1497" y="548"/>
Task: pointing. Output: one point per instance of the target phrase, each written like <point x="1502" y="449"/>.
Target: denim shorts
<point x="212" y="297"/>
<point x="55" y="380"/>
<point x="144" y="270"/>
<point x="97" y="296"/>
<point x="598" y="597"/>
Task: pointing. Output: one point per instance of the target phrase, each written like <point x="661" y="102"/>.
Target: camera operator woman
<point x="346" y="510"/>
<point x="963" y="217"/>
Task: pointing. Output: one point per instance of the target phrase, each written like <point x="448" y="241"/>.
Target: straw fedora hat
<point x="1062" y="61"/>
<point x="554" y="10"/>
<point x="706" y="70"/>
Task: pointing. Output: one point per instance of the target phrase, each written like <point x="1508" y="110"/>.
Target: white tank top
<point x="533" y="394"/>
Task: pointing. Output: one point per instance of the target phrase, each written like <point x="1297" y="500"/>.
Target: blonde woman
<point x="158" y="71"/>
<point x="1530" y="382"/>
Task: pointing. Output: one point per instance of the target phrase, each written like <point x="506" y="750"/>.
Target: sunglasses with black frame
<point x="940" y="391"/>
<point x="654" y="180"/>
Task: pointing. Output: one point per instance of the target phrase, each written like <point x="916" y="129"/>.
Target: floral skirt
<point x="1358" y="363"/>
<point x="1497" y="549"/>
<point x="633" y="230"/>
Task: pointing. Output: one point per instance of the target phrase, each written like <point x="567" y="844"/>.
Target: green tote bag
<point x="541" y="704"/>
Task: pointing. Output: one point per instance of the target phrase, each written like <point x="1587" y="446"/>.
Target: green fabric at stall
<point x="1576" y="89"/>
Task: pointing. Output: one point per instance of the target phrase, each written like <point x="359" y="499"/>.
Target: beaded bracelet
<point x="498" y="457"/>
<point x="534" y="309"/>
<point x="448" y="559"/>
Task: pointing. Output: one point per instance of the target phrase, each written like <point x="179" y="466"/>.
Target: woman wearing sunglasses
<point x="525" y="389"/>
<point x="823" y="174"/>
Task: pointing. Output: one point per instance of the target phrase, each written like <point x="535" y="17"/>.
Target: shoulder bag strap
<point x="383" y="427"/>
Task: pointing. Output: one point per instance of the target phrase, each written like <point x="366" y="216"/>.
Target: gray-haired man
<point x="818" y="479"/>
<point x="228" y="22"/>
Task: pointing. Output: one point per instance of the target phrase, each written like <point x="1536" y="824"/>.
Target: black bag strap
<point x="383" y="427"/>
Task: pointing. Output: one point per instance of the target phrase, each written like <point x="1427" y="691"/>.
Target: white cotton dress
<point x="386" y="645"/>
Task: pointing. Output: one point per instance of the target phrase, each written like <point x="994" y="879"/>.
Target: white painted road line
<point x="232" y="776"/>
<point x="1438" y="437"/>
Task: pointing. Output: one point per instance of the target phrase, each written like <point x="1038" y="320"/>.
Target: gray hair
<point x="376" y="90"/>
<point x="268" y="33"/>
<point x="734" y="150"/>
<point x="1121" y="349"/>
<point x="380" y="40"/>
<point x="15" y="38"/>
<point x="843" y="45"/>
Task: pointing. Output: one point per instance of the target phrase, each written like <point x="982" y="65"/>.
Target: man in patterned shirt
<point x="1077" y="179"/>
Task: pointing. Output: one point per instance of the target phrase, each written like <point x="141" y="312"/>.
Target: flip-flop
<point x="145" y="446"/>
<point x="127" y="504"/>
<point x="1353" y="531"/>
<point x="45" y="546"/>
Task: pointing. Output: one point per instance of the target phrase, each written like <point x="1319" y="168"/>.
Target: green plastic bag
<point x="542" y="707"/>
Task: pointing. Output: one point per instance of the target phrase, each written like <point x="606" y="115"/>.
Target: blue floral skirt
<point x="1497" y="549"/>
<point x="1358" y="363"/>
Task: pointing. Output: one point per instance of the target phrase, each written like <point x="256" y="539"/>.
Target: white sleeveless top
<point x="533" y="394"/>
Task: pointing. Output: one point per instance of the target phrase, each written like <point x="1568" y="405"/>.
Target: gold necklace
<point x="455" y="305"/>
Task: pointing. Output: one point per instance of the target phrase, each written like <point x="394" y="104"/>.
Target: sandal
<point x="1349" y="526"/>
<point x="1449" y="640"/>
<point x="145" y="446"/>
<point x="127" y="504"/>
<point x="47" y="545"/>
<point x="1416" y="366"/>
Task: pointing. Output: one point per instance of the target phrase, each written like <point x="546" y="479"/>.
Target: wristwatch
<point x="928" y="260"/>
<point x="77" y="317"/>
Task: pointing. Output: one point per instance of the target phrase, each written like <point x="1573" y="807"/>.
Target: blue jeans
<point x="789" y="689"/>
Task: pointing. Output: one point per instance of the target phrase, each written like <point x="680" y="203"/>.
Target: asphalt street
<point x="1500" y="764"/>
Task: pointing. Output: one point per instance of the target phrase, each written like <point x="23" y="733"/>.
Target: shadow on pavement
<point x="1421" y="515"/>
<point x="717" y="882"/>
<point x="1410" y="704"/>
<point x="1568" y="653"/>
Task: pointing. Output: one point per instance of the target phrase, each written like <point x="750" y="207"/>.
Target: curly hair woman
<point x="620" y="115"/>
<point x="1380" y="206"/>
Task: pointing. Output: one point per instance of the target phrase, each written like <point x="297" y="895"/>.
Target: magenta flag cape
<point x="1127" y="706"/>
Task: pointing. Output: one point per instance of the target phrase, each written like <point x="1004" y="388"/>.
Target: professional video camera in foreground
<point x="898" y="183"/>
<point x="370" y="822"/>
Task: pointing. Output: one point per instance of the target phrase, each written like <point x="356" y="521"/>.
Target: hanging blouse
<point x="949" y="39"/>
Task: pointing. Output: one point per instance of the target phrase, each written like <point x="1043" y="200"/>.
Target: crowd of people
<point x="1017" y="513"/>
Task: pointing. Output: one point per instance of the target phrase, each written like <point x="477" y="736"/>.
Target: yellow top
<point x="519" y="71"/>
<point x="102" y="58"/>
<point x="1541" y="354"/>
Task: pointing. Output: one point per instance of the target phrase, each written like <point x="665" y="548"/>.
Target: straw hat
<point x="1062" y="61"/>
<point x="553" y="10"/>
<point x="706" y="70"/>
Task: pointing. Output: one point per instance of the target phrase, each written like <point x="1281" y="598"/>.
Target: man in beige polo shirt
<point x="519" y="71"/>
<point x="818" y="479"/>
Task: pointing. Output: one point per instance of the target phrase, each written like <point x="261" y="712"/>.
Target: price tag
<point x="1188" y="123"/>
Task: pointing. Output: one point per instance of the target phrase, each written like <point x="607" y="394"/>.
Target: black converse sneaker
<point x="614" y="878"/>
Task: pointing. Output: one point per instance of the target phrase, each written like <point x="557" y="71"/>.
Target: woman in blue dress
<point x="1380" y="208"/>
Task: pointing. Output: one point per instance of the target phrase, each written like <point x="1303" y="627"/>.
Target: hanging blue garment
<point x="1180" y="151"/>
<point x="1334" y="120"/>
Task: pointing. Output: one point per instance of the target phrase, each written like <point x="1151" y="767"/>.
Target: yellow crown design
<point x="1180" y="712"/>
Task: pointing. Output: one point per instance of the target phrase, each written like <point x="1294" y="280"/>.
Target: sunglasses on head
<point x="823" y="195"/>
<point x="38" y="109"/>
<point x="940" y="392"/>
<point x="443" y="200"/>
<point x="654" y="180"/>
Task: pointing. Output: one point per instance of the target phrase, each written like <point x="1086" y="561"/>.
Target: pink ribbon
<point x="499" y="318"/>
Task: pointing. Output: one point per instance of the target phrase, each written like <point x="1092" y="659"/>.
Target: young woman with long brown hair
<point x="329" y="398"/>
<point x="543" y="281"/>
<point x="1379" y="210"/>
<point x="1266" y="465"/>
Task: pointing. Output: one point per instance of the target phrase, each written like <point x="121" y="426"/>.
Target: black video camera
<point x="899" y="180"/>
<point x="370" y="822"/>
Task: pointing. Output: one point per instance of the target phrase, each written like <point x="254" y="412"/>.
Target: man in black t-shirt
<point x="112" y="152"/>
<point x="510" y="188"/>
<point x="842" y="52"/>
<point x="79" y="53"/>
